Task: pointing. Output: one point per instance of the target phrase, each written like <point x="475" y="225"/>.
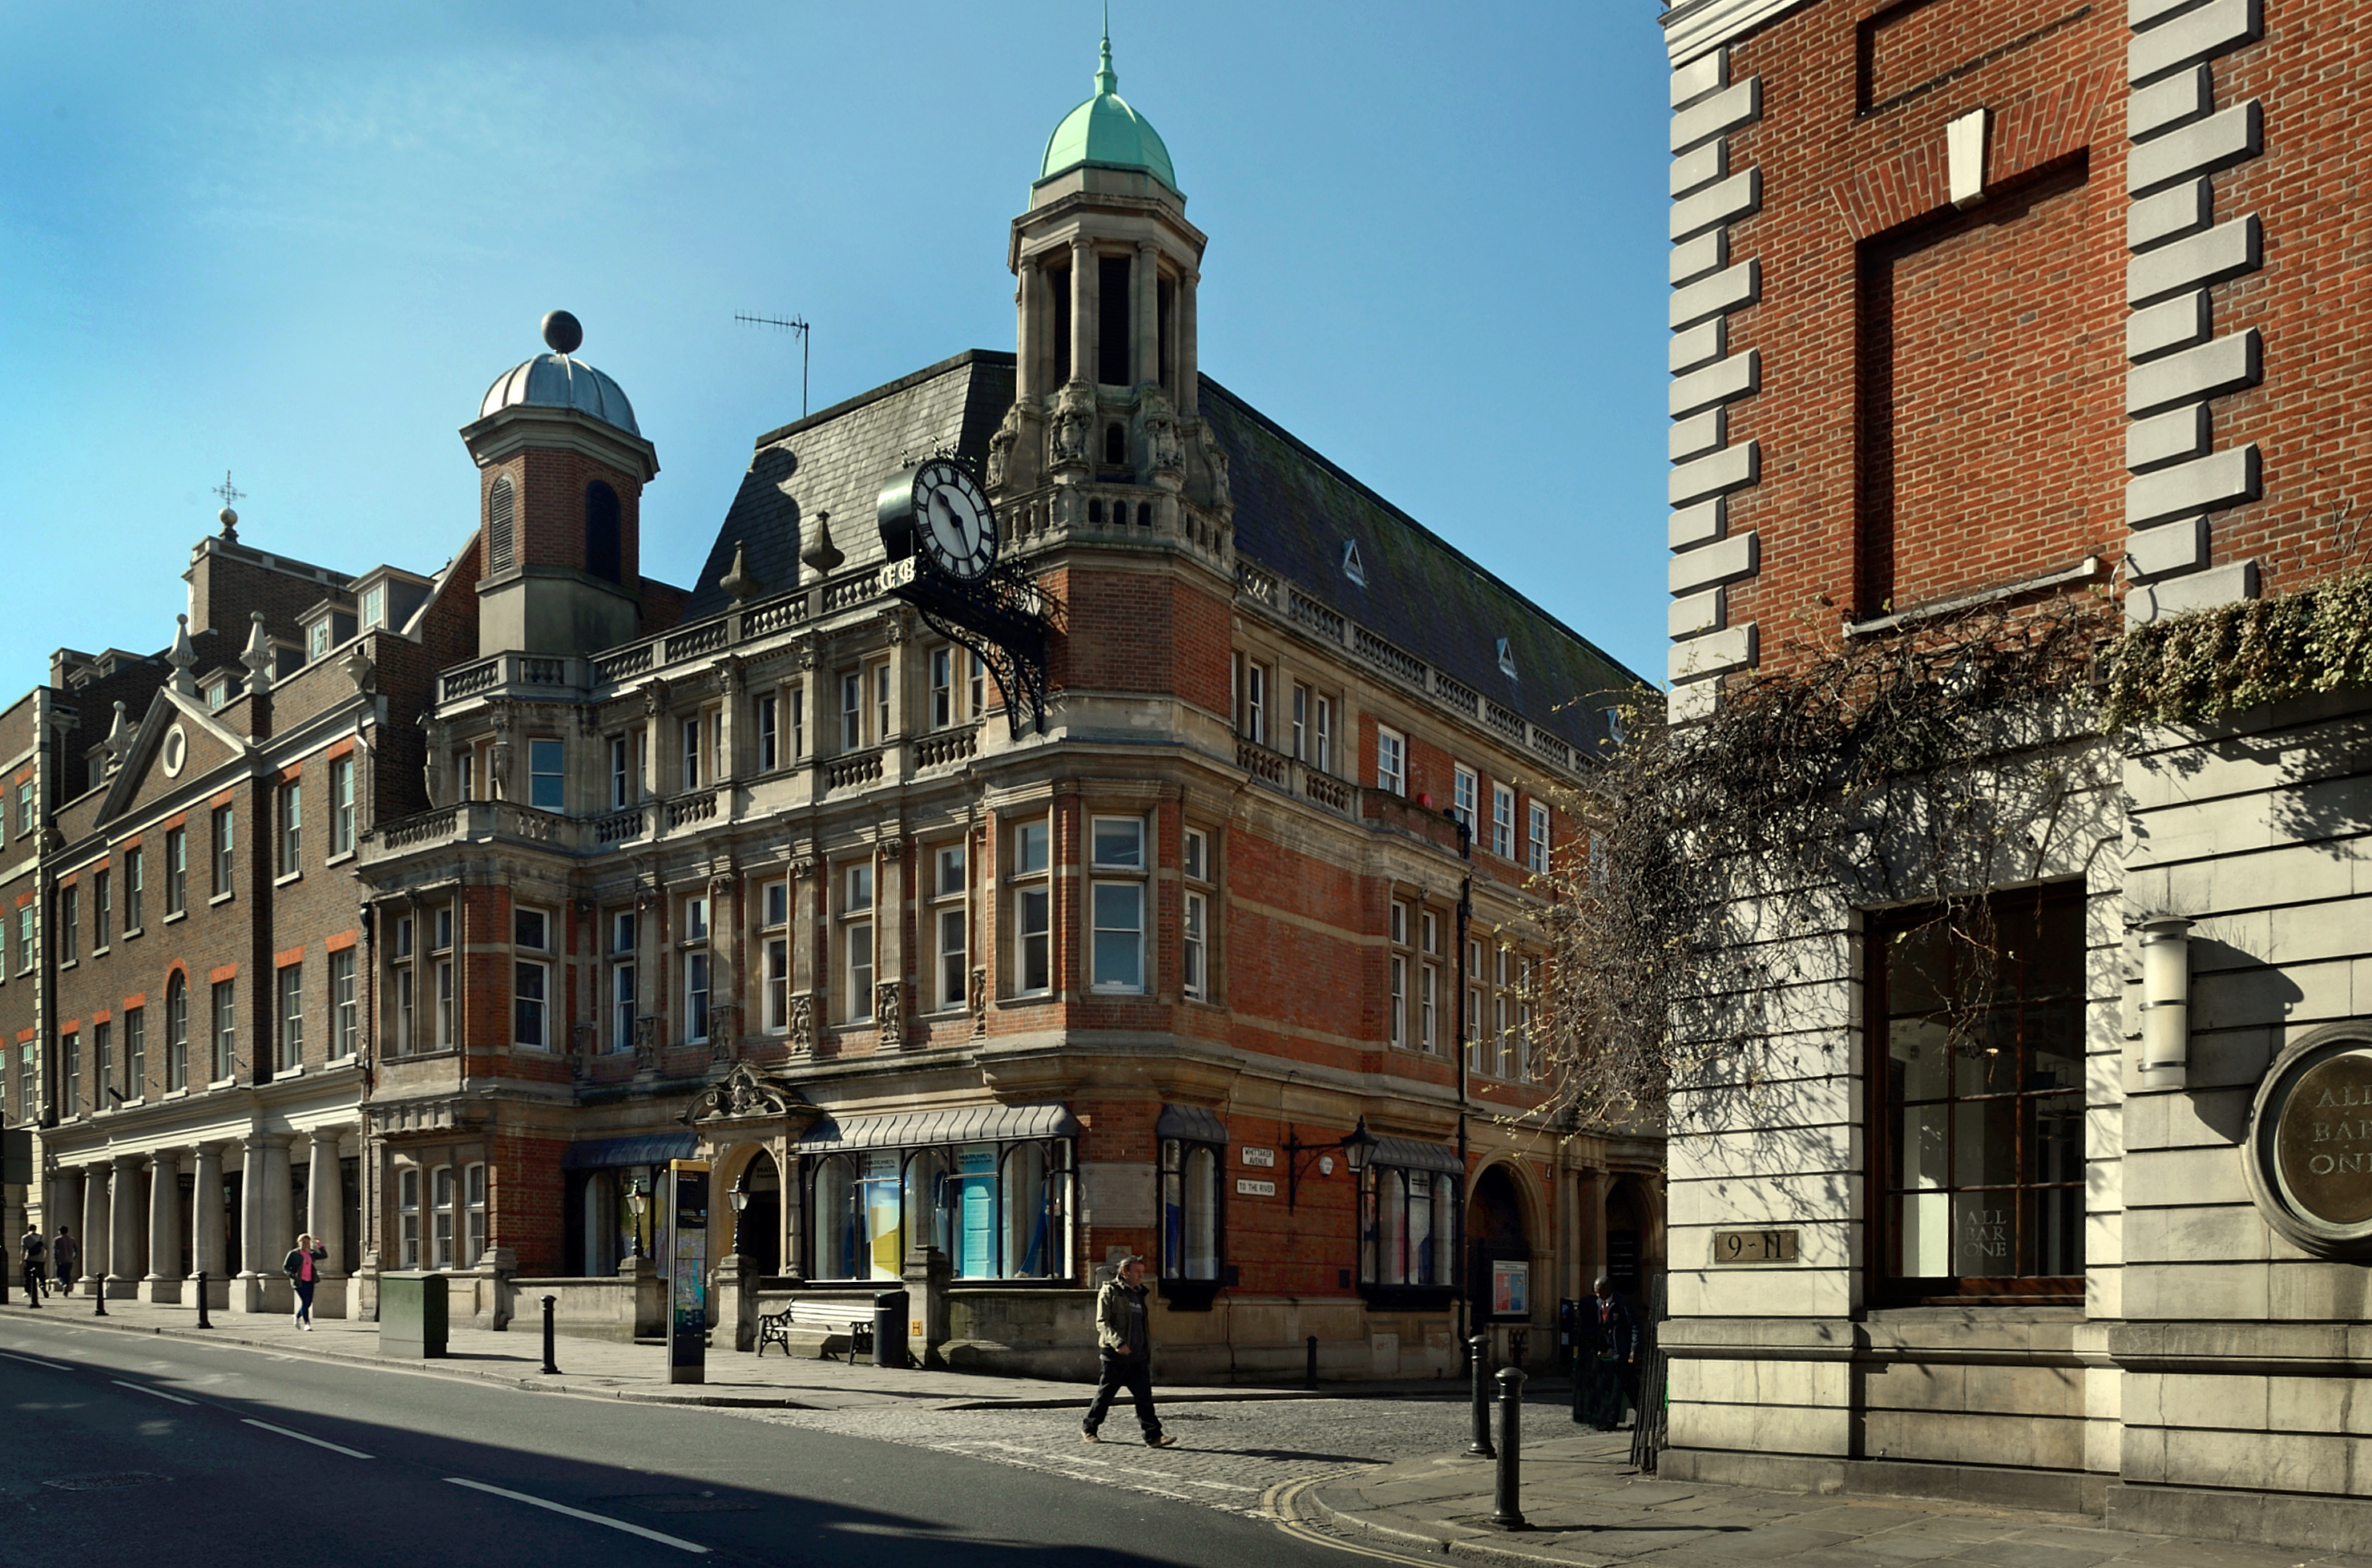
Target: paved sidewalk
<point x="639" y="1371"/>
<point x="1585" y="1506"/>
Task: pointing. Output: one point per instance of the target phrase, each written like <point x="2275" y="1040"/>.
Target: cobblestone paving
<point x="1228" y="1456"/>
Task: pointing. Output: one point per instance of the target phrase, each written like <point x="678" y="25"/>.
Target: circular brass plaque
<point x="2322" y="1139"/>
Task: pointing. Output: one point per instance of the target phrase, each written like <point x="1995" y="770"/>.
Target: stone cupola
<point x="562" y="465"/>
<point x="1105" y="391"/>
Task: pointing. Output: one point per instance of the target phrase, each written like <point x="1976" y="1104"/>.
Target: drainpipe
<point x="1465" y="913"/>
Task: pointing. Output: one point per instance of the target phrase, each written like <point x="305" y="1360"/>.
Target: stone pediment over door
<point x="746" y="1095"/>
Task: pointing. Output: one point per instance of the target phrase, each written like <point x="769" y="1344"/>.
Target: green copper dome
<point x="1105" y="132"/>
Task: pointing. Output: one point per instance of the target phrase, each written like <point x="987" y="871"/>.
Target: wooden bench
<point x="852" y="1315"/>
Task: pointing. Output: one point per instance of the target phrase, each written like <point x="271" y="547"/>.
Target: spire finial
<point x="1105" y="77"/>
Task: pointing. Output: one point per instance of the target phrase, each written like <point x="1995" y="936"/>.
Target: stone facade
<point x="2081" y="262"/>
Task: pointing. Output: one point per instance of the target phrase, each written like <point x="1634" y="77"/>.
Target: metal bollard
<point x="99" y="1296"/>
<point x="551" y="1368"/>
<point x="1508" y="1515"/>
<point x="1480" y="1349"/>
<point x="1312" y="1373"/>
<point x="203" y="1320"/>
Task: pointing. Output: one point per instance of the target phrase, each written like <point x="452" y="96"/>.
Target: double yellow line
<point x="1279" y="1502"/>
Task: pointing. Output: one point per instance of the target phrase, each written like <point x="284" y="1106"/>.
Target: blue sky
<point x="297" y="243"/>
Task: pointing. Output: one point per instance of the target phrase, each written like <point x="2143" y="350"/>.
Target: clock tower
<point x="1104" y="435"/>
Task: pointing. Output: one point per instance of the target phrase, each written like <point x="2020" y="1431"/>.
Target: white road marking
<point x="301" y="1437"/>
<point x="674" y="1541"/>
<point x="140" y="1388"/>
<point x="1216" y="1485"/>
<point x="31" y="1362"/>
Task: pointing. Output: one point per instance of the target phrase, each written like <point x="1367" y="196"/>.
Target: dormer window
<point x="317" y="638"/>
<point x="221" y="691"/>
<point x="1507" y="658"/>
<point x="373" y="607"/>
<point x="1353" y="566"/>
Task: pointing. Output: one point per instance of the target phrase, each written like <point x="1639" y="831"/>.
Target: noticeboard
<point x="687" y="1267"/>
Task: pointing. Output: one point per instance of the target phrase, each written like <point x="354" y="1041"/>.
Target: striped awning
<point x="959" y="1124"/>
<point x="1190" y="1122"/>
<point x="1409" y="1155"/>
<point x="602" y="1154"/>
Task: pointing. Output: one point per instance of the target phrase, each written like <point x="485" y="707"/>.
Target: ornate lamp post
<point x="636" y="1201"/>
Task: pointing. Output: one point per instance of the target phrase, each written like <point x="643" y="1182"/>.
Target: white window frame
<point x="943" y="687"/>
<point x="346" y="1007"/>
<point x="407" y="1218"/>
<point x="1502" y="821"/>
<point x="289" y="985"/>
<point x="622" y="778"/>
<point x="1116" y="877"/>
<point x="858" y="900"/>
<point x="342" y="802"/>
<point x="442" y="1215"/>
<point x="530" y="978"/>
<point x="950" y="888"/>
<point x="1391" y="761"/>
<point x="1465" y="798"/>
<point x="292" y="827"/>
<point x="765" y="719"/>
<point x="623" y="982"/>
<point x="222" y="1002"/>
<point x="1536" y="853"/>
<point x="697" y="972"/>
<point x="851" y="709"/>
<point x="473" y="1214"/>
<point x="1032" y="892"/>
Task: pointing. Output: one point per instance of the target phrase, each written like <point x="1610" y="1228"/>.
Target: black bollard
<point x="551" y="1368"/>
<point x="1312" y="1373"/>
<point x="99" y="1296"/>
<point x="204" y="1321"/>
<point x="1508" y="1515"/>
<point x="1479" y="1349"/>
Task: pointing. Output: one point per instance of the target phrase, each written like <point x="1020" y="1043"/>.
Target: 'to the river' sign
<point x="2310" y="1143"/>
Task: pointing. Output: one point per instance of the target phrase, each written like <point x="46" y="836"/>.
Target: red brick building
<point x="1987" y="303"/>
<point x="944" y="991"/>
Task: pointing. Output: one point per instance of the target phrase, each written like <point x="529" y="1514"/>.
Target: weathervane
<point x="229" y="493"/>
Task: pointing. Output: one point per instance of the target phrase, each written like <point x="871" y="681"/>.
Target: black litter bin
<point x="889" y="1328"/>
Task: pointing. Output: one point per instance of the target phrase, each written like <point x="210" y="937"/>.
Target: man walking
<point x="1606" y="1375"/>
<point x="36" y="1253"/>
<point x="66" y="1261"/>
<point x="1124" y="1347"/>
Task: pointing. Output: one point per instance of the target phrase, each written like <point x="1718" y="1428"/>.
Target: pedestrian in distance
<point x="36" y="1252"/>
<point x="303" y="1266"/>
<point x="1606" y="1363"/>
<point x="66" y="1261"/>
<point x="1124" y="1347"/>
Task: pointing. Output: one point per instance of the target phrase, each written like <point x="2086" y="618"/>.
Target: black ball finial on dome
<point x="563" y="332"/>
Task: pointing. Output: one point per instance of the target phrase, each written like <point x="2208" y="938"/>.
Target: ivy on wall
<point x="2203" y="666"/>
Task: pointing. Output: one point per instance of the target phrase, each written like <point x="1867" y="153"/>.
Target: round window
<point x="177" y="751"/>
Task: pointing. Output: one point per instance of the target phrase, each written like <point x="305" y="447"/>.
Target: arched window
<point x="500" y="553"/>
<point x="604" y="540"/>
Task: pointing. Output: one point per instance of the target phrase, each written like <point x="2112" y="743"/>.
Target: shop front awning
<point x="1193" y="1122"/>
<point x="603" y="1154"/>
<point x="1409" y="1155"/>
<point x="959" y="1124"/>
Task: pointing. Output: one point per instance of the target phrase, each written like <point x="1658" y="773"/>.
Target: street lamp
<point x="740" y="1197"/>
<point x="635" y="1202"/>
<point x="1357" y="1146"/>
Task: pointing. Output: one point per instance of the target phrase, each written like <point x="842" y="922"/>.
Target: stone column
<point x="1083" y="310"/>
<point x="162" y="1283"/>
<point x="252" y="1244"/>
<point x="1185" y="363"/>
<point x="1027" y="332"/>
<point x="206" y="1225"/>
<point x="807" y="918"/>
<point x="65" y="1206"/>
<point x="893" y="998"/>
<point x="279" y="1225"/>
<point x="728" y="1021"/>
<point x="728" y="762"/>
<point x="94" y="1230"/>
<point x="1146" y="282"/>
<point x="124" y="1224"/>
<point x="325" y="1217"/>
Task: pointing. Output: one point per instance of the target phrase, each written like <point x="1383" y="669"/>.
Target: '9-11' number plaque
<point x="1754" y="1246"/>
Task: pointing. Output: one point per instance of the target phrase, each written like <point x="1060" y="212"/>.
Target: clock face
<point x="953" y="523"/>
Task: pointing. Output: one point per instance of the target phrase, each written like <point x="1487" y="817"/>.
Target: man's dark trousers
<point x="1135" y="1374"/>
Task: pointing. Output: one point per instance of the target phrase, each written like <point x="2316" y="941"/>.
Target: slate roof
<point x="835" y="460"/>
<point x="1295" y="511"/>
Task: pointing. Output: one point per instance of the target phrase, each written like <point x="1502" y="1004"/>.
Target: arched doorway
<point x="761" y="1227"/>
<point x="1497" y="1238"/>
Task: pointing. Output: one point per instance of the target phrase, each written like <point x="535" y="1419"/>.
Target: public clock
<point x="940" y="513"/>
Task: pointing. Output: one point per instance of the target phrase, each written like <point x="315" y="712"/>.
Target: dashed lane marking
<point x="676" y="1541"/>
<point x="31" y="1362"/>
<point x="143" y="1389"/>
<point x="304" y="1438"/>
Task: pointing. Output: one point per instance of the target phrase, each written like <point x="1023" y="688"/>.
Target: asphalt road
<point x="119" y="1448"/>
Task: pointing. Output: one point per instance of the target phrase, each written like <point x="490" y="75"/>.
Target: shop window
<point x="1408" y="1221"/>
<point x="1982" y="1135"/>
<point x="407" y="1218"/>
<point x="1191" y="1218"/>
<point x="997" y="1210"/>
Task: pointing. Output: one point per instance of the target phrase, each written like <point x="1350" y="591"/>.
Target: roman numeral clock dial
<point x="953" y="523"/>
